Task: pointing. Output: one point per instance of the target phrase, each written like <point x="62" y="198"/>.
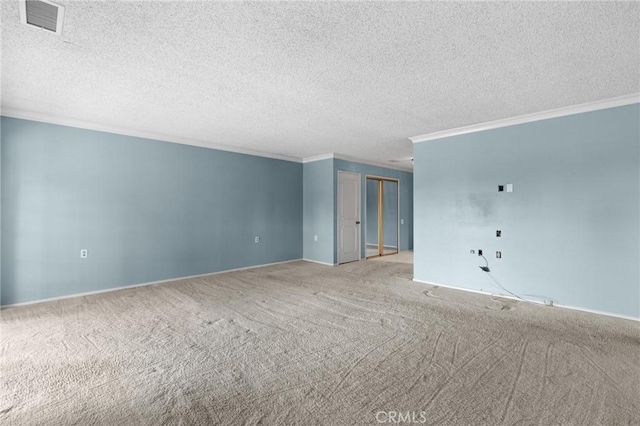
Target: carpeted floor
<point x="301" y="343"/>
<point x="401" y="257"/>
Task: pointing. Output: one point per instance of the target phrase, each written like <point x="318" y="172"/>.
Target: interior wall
<point x="1" y="220"/>
<point x="570" y="228"/>
<point x="406" y="200"/>
<point x="320" y="206"/>
<point x="318" y="211"/>
<point x="145" y="210"/>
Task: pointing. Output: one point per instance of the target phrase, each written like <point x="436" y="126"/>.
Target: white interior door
<point x="348" y="217"/>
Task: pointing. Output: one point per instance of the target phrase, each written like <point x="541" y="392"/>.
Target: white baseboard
<point x="486" y="293"/>
<point x="125" y="287"/>
<point x="318" y="262"/>
<point x="593" y="311"/>
<point x="376" y="246"/>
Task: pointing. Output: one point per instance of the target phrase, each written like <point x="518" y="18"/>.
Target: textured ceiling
<point x="309" y="78"/>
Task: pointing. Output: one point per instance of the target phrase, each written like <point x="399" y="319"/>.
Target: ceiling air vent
<point x="42" y="14"/>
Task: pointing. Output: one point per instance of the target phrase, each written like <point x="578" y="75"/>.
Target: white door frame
<point x="359" y="207"/>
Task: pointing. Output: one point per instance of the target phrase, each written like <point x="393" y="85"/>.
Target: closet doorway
<point x="382" y="218"/>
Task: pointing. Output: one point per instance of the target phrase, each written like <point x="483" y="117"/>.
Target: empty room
<point x="319" y="213"/>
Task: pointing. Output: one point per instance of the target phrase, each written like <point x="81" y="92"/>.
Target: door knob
<point x="357" y="222"/>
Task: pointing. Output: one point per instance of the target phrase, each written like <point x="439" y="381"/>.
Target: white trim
<point x="81" y="124"/>
<point x="575" y="308"/>
<point x="382" y="177"/>
<point x="528" y="118"/>
<point x="125" y="287"/>
<point x="320" y="263"/>
<point x="162" y="137"/>
<point x="317" y="158"/>
<point x="593" y="311"/>
<point x="375" y="163"/>
<point x="59" y="20"/>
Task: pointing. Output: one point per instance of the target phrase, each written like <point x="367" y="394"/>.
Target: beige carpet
<point x="401" y="257"/>
<point x="301" y="343"/>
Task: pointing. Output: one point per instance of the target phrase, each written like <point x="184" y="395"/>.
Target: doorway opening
<point x="382" y="216"/>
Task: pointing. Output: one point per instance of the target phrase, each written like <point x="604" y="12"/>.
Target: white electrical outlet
<point x="401" y="221"/>
<point x="509" y="187"/>
<point x="315" y="238"/>
<point x="257" y="238"/>
<point x="84" y="253"/>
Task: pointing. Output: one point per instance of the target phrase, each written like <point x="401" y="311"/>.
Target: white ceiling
<point x="309" y="78"/>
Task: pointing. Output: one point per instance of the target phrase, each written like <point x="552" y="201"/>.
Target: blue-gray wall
<point x="406" y="200"/>
<point x="571" y="228"/>
<point x="1" y="197"/>
<point x="320" y="206"/>
<point x="145" y="210"/>
<point x="318" y="211"/>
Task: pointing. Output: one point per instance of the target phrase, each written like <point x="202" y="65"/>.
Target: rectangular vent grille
<point x="42" y="14"/>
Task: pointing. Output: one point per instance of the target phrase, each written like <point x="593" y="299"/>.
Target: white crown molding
<point x="373" y="163"/>
<point x="70" y="122"/>
<point x="357" y="160"/>
<point x="317" y="158"/>
<point x="81" y="124"/>
<point x="528" y="118"/>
